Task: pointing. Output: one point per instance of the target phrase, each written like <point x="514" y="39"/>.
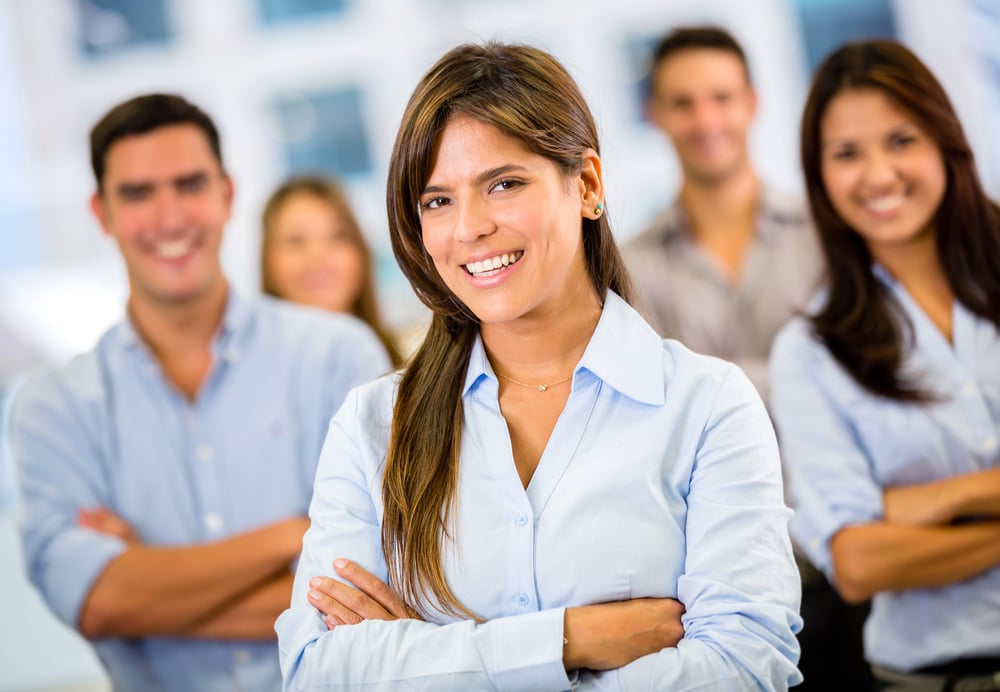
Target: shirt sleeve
<point x="740" y="586"/>
<point x="521" y="652"/>
<point x="830" y="478"/>
<point x="58" y="460"/>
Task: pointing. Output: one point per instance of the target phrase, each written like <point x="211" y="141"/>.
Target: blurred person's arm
<point x="179" y="590"/>
<point x="233" y="589"/>
<point x="940" y="502"/>
<point x="883" y="556"/>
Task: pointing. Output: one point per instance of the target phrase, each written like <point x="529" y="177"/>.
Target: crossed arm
<point x="598" y="637"/>
<point x="918" y="544"/>
<point x="232" y="589"/>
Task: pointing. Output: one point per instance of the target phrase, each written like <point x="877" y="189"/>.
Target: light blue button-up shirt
<point x="108" y="429"/>
<point x="842" y="446"/>
<point x="661" y="479"/>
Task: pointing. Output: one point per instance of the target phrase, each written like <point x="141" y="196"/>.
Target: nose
<point x="169" y="210"/>
<point x="880" y="169"/>
<point x="474" y="219"/>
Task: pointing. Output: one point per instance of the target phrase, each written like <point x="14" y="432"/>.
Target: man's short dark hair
<point x="144" y="114"/>
<point x="695" y="38"/>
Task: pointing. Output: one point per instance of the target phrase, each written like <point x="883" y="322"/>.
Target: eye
<point x="192" y="185"/>
<point x="844" y="154"/>
<point x="900" y="141"/>
<point x="433" y="203"/>
<point x="506" y="184"/>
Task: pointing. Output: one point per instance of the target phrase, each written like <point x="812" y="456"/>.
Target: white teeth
<point x="884" y="204"/>
<point x="172" y="249"/>
<point x="493" y="263"/>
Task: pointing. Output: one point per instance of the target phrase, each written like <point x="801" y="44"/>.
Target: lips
<point x="881" y="205"/>
<point x="174" y="248"/>
<point x="493" y="264"/>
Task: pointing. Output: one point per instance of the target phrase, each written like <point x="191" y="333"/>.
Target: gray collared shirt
<point x="686" y="295"/>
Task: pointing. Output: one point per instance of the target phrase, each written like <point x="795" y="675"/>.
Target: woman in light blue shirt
<point x="887" y="398"/>
<point x="558" y="497"/>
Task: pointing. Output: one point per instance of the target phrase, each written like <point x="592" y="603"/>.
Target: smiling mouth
<point x="173" y="249"/>
<point x="883" y="205"/>
<point x="489" y="266"/>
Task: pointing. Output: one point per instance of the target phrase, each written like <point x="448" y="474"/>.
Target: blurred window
<point x="110" y="26"/>
<point x="827" y="24"/>
<point x="283" y="11"/>
<point x="324" y="132"/>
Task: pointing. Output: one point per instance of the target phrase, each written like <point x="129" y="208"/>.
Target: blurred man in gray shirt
<point x="731" y="259"/>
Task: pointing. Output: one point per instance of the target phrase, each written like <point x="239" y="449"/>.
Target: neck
<point x="916" y="265"/>
<point x="171" y="329"/>
<point x="725" y="206"/>
<point x="544" y="349"/>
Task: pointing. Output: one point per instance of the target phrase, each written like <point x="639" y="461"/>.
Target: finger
<point x="351" y="599"/>
<point x="334" y="613"/>
<point x="373" y="587"/>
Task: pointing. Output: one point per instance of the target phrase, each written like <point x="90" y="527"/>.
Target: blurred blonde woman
<point x="314" y="253"/>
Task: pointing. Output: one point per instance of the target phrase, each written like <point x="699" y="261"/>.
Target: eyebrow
<point x="480" y="179"/>
<point x="144" y="186"/>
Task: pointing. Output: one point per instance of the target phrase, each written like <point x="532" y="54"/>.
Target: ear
<point x="591" y="185"/>
<point x="100" y="212"/>
<point x="228" y="192"/>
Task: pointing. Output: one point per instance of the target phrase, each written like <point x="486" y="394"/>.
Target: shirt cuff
<point x="527" y="651"/>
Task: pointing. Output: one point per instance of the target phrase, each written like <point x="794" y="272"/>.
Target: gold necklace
<point x="539" y="387"/>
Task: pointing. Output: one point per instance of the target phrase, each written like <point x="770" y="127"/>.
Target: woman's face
<point x="313" y="258"/>
<point x="503" y="224"/>
<point x="883" y="173"/>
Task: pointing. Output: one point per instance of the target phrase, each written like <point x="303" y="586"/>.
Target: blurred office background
<point x="319" y="85"/>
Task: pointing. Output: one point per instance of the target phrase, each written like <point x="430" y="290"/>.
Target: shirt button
<point x="242" y="656"/>
<point x="522" y="520"/>
<point x="204" y="453"/>
<point x="213" y="522"/>
<point x="968" y="389"/>
<point x="990" y="443"/>
<point x="522" y="599"/>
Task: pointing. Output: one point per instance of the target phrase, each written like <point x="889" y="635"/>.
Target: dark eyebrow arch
<point x="133" y="189"/>
<point x="196" y="177"/>
<point x="480" y="179"/>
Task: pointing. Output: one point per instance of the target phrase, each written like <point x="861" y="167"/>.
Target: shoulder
<point x="657" y="233"/>
<point x="291" y="321"/>
<point x="697" y="375"/>
<point x="77" y="384"/>
<point x="784" y="207"/>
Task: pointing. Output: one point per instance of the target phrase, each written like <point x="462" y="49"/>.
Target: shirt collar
<point x="629" y="370"/>
<point x="235" y="319"/>
<point x="773" y="211"/>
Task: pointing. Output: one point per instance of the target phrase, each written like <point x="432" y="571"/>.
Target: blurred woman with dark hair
<point x="887" y="398"/>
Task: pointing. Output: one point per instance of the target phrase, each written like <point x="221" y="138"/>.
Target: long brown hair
<point x="526" y="94"/>
<point x="329" y="191"/>
<point x="861" y="324"/>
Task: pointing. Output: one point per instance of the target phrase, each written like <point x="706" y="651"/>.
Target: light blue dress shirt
<point x="842" y="446"/>
<point x="108" y="429"/>
<point x="661" y="479"/>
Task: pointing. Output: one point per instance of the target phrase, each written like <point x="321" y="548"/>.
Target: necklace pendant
<point x="542" y="387"/>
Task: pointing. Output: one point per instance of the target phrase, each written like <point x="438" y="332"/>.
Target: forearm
<point x="939" y="502"/>
<point x="882" y="556"/>
<point x="521" y="652"/>
<point x="152" y="590"/>
<point x="251" y="616"/>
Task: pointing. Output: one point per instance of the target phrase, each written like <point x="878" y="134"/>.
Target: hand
<point x="344" y="605"/>
<point x="611" y="635"/>
<point x="107" y="522"/>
